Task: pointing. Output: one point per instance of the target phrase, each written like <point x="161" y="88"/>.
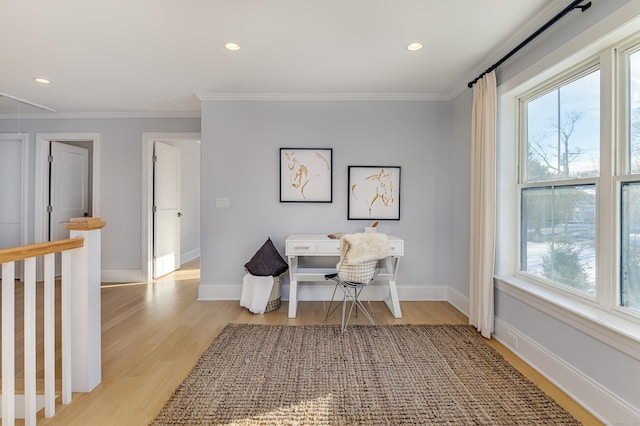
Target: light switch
<point x="222" y="203"/>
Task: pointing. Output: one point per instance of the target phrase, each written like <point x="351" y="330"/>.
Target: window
<point x="629" y="279"/>
<point x="630" y="247"/>
<point x="578" y="182"/>
<point x="560" y="165"/>
<point x="559" y="241"/>
<point x="633" y="107"/>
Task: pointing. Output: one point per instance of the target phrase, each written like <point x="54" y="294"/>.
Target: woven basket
<point x="274" y="298"/>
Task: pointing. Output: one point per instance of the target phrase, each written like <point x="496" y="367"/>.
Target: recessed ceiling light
<point x="414" y="46"/>
<point x="232" y="46"/>
<point x="42" y="80"/>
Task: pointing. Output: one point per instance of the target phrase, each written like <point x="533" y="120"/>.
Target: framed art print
<point x="306" y="175"/>
<point x="374" y="192"/>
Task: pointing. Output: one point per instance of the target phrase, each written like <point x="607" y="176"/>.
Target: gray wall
<point x="240" y="155"/>
<point x="120" y="160"/>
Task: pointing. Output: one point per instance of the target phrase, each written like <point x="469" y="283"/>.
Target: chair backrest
<point x="359" y="255"/>
<point x="361" y="273"/>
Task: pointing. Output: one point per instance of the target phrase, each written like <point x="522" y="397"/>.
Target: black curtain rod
<point x="574" y="5"/>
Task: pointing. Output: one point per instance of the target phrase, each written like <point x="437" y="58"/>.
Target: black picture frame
<point x="306" y="175"/>
<point x="373" y="192"/>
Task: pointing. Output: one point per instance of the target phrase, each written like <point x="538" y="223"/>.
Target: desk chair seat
<point x="358" y="267"/>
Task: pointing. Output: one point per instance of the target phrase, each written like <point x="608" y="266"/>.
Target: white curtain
<point x="483" y="197"/>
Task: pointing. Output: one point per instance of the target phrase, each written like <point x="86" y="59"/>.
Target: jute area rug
<point x="384" y="375"/>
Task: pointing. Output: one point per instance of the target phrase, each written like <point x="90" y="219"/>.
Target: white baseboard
<point x="19" y="405"/>
<point x="219" y="291"/>
<point x="189" y="256"/>
<point x="420" y="293"/>
<point x="321" y="291"/>
<point x="591" y="395"/>
<point x="458" y="300"/>
<point x="123" y="276"/>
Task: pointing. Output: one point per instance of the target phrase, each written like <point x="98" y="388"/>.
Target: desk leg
<point x="393" y="302"/>
<point x="293" y="286"/>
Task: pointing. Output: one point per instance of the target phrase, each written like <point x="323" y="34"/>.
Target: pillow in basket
<point x="266" y="261"/>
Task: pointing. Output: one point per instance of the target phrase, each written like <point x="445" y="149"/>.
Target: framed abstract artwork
<point x="306" y="175"/>
<point x="374" y="192"/>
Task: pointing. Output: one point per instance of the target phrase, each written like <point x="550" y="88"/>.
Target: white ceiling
<point x="146" y="56"/>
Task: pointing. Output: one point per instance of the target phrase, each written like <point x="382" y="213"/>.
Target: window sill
<point x="613" y="330"/>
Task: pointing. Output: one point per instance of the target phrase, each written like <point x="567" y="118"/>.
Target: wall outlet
<point x="222" y="203"/>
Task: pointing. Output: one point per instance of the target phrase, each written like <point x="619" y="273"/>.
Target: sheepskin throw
<point x="362" y="247"/>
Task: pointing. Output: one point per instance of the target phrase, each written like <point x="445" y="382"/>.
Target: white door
<point x="166" y="208"/>
<point x="68" y="186"/>
<point x="10" y="192"/>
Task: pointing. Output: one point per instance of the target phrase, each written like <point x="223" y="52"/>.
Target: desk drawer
<point x="396" y="248"/>
<point x="329" y="247"/>
<point x="301" y="247"/>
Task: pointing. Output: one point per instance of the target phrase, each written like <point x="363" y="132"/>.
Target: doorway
<point x="166" y="208"/>
<point x="71" y="147"/>
<point x="188" y="145"/>
<point x="69" y="185"/>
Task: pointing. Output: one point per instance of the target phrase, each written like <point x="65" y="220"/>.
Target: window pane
<point x="634" y="112"/>
<point x="558" y="235"/>
<point x="563" y="131"/>
<point x="630" y="247"/>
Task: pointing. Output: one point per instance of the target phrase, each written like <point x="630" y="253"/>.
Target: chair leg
<point x="355" y="304"/>
<point x="344" y="306"/>
<point x="329" y="311"/>
<point x="367" y="312"/>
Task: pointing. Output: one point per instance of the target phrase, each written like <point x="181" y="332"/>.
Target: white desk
<point x="301" y="245"/>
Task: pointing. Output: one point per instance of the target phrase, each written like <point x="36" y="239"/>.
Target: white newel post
<point x="86" y="329"/>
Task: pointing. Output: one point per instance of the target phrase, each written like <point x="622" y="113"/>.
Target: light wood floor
<point x="153" y="334"/>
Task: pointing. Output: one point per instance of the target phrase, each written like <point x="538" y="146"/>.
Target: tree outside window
<point x="558" y="218"/>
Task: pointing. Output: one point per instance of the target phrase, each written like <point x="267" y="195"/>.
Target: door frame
<point x="24" y="180"/>
<point x="42" y="176"/>
<point x="147" y="191"/>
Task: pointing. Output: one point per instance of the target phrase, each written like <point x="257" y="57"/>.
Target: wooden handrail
<point x="24" y="252"/>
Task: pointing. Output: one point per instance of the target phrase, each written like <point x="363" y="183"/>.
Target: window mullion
<point x="607" y="264"/>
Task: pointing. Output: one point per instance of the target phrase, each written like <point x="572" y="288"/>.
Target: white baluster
<point x="65" y="304"/>
<point x="49" y="336"/>
<point x="30" y="408"/>
<point x="8" y="344"/>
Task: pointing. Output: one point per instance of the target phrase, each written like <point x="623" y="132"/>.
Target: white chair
<point x="358" y="267"/>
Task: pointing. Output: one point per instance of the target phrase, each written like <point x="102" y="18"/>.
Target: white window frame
<point x="601" y="318"/>
<point x="622" y="174"/>
<point x="572" y="74"/>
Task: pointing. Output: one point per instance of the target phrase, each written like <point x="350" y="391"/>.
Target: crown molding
<point x="370" y="97"/>
<point x="102" y="115"/>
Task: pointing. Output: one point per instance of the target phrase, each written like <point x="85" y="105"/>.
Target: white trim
<point x="211" y="292"/>
<point x="458" y="300"/>
<point x="123" y="276"/>
<point x="334" y="97"/>
<point x="19" y="405"/>
<point x="189" y="256"/>
<point x="599" y="401"/>
<point x="147" y="192"/>
<point x="321" y="291"/>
